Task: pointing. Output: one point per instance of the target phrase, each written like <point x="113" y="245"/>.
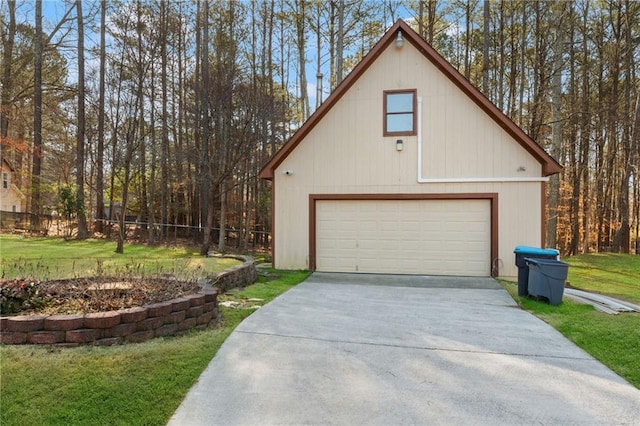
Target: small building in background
<point x="11" y="198"/>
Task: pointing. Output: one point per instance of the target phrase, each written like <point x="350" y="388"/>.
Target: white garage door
<point x="430" y="237"/>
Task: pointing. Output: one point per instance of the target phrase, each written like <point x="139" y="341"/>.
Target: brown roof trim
<point x="549" y="165"/>
<point x="4" y="160"/>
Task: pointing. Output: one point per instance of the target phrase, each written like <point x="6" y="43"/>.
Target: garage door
<point x="430" y="237"/>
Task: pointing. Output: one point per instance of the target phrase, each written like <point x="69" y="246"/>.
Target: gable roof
<point x="549" y="165"/>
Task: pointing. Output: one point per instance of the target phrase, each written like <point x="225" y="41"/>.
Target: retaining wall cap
<point x="196" y="299"/>
<point x="133" y="314"/>
<point x="26" y="323"/>
<point x="102" y="319"/>
<point x="180" y="304"/>
<point x="132" y="310"/>
<point x="63" y="322"/>
<point x="159" y="309"/>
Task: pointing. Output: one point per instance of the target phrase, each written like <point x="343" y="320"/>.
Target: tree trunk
<point x="340" y="42"/>
<point x="80" y="134"/>
<point x="318" y="58"/>
<point x="501" y="57"/>
<point x="421" y="18"/>
<point x="485" y="51"/>
<point x="556" y="141"/>
<point x="467" y="38"/>
<point x="149" y="202"/>
<point x="222" y="240"/>
<point x="573" y="142"/>
<point x="622" y="238"/>
<point x="7" y="61"/>
<point x="99" y="227"/>
<point x="523" y="43"/>
<point x="432" y="5"/>
<point x="36" y="208"/>
<point x="301" y="45"/>
<point x="122" y="230"/>
<point x="585" y="132"/>
<point x="206" y="177"/>
<point x="164" y="171"/>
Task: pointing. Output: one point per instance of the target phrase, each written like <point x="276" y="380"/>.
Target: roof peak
<point x="549" y="165"/>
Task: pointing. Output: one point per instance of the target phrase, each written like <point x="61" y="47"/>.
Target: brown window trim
<point x="414" y="92"/>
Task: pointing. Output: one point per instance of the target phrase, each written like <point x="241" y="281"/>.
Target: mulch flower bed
<point x="88" y="295"/>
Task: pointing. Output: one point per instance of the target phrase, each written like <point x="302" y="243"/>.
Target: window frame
<point x="385" y="114"/>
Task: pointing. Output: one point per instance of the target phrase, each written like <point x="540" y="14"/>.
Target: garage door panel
<point x="326" y="244"/>
<point x="440" y="237"/>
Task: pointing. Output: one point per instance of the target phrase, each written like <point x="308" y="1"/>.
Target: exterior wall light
<point x="399" y="145"/>
<point x="399" y="40"/>
<point x="288" y="172"/>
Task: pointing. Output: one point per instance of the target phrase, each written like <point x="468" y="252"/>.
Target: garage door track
<point x="375" y="349"/>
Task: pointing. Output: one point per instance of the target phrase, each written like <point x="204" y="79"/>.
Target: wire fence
<point x="47" y="224"/>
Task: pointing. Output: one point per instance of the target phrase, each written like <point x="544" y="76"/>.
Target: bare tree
<point x="37" y="120"/>
<point x="8" y="40"/>
<point x="206" y="177"/>
<point x="557" y="127"/>
<point x="101" y="116"/>
<point x="340" y="42"/>
<point x="81" y="129"/>
<point x="485" y="50"/>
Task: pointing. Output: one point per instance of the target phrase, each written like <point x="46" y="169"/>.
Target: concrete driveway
<point x="388" y="350"/>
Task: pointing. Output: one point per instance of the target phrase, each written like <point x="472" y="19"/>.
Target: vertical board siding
<point x="347" y="153"/>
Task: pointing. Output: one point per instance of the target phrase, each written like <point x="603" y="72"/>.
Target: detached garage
<point x="407" y="169"/>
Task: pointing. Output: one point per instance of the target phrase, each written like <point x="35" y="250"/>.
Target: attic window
<point x="5" y="180"/>
<point x="399" y="112"/>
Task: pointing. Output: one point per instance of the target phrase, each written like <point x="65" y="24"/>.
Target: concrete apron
<point x="405" y="350"/>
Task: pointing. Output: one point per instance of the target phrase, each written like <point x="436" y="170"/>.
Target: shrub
<point x="19" y="294"/>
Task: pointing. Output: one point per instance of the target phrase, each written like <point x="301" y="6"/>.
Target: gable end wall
<point x="346" y="153"/>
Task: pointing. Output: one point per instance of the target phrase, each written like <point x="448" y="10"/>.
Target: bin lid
<point x="535" y="250"/>
<point x="544" y="262"/>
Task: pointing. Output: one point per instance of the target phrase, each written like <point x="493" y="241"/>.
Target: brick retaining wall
<point x="131" y="325"/>
<point x="238" y="276"/>
<point x="134" y="324"/>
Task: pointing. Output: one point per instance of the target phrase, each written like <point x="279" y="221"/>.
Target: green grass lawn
<point x="612" y="339"/>
<point x="137" y="384"/>
<point x="48" y="258"/>
<point x="616" y="275"/>
<point x="143" y="384"/>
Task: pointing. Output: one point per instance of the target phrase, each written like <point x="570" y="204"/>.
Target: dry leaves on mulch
<point x="85" y="295"/>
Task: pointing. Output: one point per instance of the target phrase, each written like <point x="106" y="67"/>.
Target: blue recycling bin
<point x="523" y="252"/>
<point x="547" y="279"/>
